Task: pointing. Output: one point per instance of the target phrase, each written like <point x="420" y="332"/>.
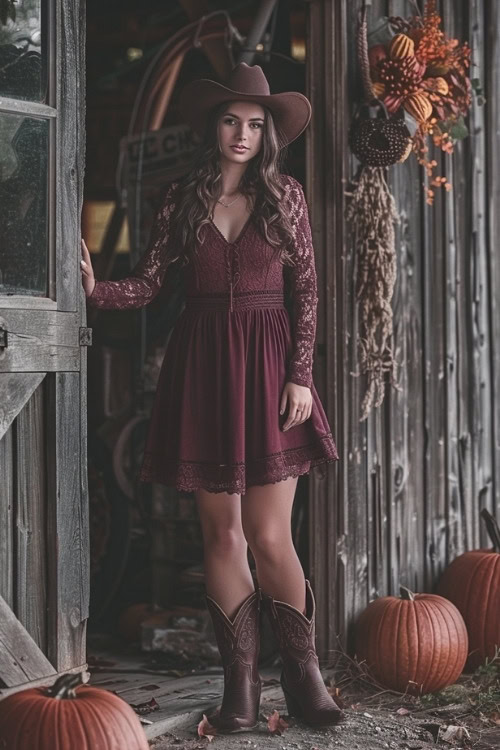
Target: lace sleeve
<point x="145" y="279"/>
<point x="304" y="289"/>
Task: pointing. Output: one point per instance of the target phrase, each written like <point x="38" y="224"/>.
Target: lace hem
<point x="235" y="478"/>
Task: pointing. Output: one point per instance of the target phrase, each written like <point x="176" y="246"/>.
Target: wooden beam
<point x="67" y="522"/>
<point x="20" y="658"/>
<point x="45" y="342"/>
<point x="326" y="172"/>
<point x="15" y="390"/>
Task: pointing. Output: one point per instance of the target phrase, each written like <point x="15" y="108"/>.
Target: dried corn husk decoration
<point x="371" y="215"/>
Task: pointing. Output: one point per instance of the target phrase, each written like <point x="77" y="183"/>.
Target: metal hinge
<point x="3" y="338"/>
<point x="85" y="336"/>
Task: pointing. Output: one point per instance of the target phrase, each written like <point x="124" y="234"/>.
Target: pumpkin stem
<point x="492" y="528"/>
<point x="406" y="593"/>
<point x="64" y="686"/>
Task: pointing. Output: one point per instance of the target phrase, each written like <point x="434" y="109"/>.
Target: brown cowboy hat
<point x="291" y="110"/>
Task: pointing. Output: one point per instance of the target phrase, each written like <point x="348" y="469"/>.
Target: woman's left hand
<point x="299" y="398"/>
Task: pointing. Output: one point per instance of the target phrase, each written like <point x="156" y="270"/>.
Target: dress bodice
<point x="248" y="264"/>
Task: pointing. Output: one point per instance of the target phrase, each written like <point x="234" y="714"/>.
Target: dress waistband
<point x="237" y="301"/>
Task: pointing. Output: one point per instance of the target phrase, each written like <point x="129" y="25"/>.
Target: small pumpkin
<point x="472" y="583"/>
<point x="401" y="46"/>
<point x="418" y="106"/>
<point x="438" y="85"/>
<point x="416" y="644"/>
<point x="69" y="716"/>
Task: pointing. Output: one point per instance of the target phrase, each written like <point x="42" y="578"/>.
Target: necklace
<point x="226" y="205"/>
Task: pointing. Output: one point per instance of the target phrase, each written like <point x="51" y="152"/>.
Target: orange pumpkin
<point x="472" y="583"/>
<point x="68" y="717"/>
<point x="416" y="644"/>
<point x="418" y="106"/>
<point x="401" y="46"/>
<point x="438" y="85"/>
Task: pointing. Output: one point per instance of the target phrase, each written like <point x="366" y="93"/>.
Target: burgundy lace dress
<point x="215" y="422"/>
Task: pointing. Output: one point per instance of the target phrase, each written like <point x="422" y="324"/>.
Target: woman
<point x="236" y="417"/>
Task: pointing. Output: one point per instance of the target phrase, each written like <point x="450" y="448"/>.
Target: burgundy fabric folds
<point x="215" y="422"/>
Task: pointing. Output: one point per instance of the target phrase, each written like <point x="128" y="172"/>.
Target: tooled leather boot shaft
<point x="239" y="644"/>
<point x="303" y="685"/>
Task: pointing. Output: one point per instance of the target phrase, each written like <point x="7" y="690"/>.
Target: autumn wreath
<point x="416" y="87"/>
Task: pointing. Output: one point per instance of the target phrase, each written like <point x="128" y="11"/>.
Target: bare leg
<point x="266" y="513"/>
<point x="228" y="579"/>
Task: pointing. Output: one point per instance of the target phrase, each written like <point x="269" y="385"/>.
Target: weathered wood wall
<point x="405" y="498"/>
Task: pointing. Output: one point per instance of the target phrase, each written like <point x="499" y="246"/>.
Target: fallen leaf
<point x="205" y="729"/>
<point x="145" y="708"/>
<point x="402" y="711"/>
<point x="276" y="724"/>
<point x="455" y="733"/>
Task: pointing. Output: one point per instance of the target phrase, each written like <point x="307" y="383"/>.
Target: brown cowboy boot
<point x="305" y="692"/>
<point x="239" y="643"/>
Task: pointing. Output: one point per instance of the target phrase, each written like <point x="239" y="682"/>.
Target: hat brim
<point x="291" y="110"/>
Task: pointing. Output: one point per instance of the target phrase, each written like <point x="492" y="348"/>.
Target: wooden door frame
<point x="327" y="168"/>
<point x="47" y="340"/>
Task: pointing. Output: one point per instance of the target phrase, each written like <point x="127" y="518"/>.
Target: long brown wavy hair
<point x="200" y="188"/>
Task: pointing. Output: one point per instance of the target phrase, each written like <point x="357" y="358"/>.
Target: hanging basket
<point x="378" y="139"/>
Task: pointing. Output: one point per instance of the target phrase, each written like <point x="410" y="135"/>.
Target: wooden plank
<point x="70" y="150"/>
<point x="6" y="517"/>
<point x="326" y="26"/>
<point x="16" y="390"/>
<point x="459" y="367"/>
<point x="20" y="658"/>
<point x="30" y="526"/>
<point x="67" y="523"/>
<point x="40" y="342"/>
<point x="84" y="488"/>
<point x="492" y="113"/>
<point x="481" y="248"/>
<point x="403" y="556"/>
<point x="17" y="106"/>
<point x="182" y="701"/>
<point x="18" y="302"/>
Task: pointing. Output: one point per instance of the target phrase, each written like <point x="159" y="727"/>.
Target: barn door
<point x="44" y="588"/>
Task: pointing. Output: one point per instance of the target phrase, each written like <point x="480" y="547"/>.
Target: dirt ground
<point x="464" y="715"/>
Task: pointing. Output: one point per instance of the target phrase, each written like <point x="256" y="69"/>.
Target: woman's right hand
<point x="88" y="279"/>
